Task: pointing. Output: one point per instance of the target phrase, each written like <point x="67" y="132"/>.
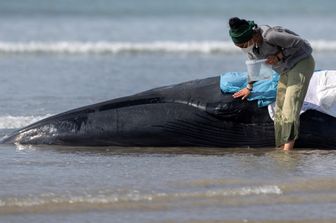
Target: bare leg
<point x="289" y="145"/>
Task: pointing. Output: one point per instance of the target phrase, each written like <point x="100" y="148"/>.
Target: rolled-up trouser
<point x="292" y="89"/>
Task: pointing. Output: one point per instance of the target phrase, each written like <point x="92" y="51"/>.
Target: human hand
<point x="244" y="93"/>
<point x="272" y="60"/>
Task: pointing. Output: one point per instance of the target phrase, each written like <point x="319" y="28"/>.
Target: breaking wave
<point x="13" y="122"/>
<point x="104" y="47"/>
<point x="132" y="199"/>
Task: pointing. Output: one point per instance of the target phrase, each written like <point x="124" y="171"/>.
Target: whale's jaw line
<point x="194" y="113"/>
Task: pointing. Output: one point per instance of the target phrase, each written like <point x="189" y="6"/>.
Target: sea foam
<point x="104" y="47"/>
<point x="13" y="122"/>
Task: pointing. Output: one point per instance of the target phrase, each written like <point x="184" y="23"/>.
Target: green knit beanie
<point x="243" y="33"/>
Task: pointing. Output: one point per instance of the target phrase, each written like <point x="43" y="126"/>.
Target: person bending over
<point x="291" y="57"/>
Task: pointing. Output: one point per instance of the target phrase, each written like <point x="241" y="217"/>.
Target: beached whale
<point x="194" y="113"/>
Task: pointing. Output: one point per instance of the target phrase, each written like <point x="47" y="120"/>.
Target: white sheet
<point x="321" y="94"/>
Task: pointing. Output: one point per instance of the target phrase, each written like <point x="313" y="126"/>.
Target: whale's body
<point x="194" y="113"/>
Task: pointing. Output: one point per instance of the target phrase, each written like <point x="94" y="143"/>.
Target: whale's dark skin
<point x="194" y="113"/>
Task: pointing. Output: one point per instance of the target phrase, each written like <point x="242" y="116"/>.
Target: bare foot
<point x="289" y="145"/>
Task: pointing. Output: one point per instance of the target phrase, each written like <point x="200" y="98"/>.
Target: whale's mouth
<point x="8" y="123"/>
<point x="44" y="135"/>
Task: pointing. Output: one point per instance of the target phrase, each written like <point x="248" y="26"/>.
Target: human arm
<point x="288" y="42"/>
<point x="275" y="59"/>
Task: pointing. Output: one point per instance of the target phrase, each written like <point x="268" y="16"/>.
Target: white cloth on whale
<point x="321" y="94"/>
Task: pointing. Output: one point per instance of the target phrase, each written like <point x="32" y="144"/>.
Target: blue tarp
<point x="264" y="90"/>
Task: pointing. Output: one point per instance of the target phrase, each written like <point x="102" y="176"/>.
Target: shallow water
<point x="165" y="185"/>
<point x="59" y="56"/>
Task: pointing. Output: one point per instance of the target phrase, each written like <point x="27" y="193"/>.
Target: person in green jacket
<point x="291" y="57"/>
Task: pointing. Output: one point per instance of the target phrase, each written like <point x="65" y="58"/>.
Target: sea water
<point x="59" y="55"/>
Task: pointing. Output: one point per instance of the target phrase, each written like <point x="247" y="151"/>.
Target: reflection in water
<point x="148" y="181"/>
<point x="148" y="150"/>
